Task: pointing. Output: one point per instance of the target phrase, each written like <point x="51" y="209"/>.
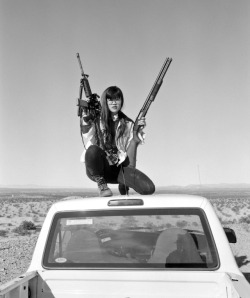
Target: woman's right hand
<point x="87" y="117"/>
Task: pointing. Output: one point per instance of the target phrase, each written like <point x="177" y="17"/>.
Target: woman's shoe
<point x="123" y="189"/>
<point x="104" y="191"/>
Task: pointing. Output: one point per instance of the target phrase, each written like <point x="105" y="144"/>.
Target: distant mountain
<point x="207" y="186"/>
<point x="221" y="185"/>
<point x="32" y="186"/>
<point x="161" y="188"/>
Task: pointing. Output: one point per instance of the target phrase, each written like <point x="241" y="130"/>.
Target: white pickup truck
<point x="135" y="246"/>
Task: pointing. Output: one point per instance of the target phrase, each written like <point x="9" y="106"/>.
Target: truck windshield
<point x="145" y="238"/>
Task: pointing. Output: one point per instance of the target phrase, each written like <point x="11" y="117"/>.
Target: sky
<point x="198" y="126"/>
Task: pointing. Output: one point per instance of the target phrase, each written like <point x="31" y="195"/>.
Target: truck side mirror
<point x="231" y="236"/>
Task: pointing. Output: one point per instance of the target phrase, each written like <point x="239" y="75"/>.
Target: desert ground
<point x="31" y="205"/>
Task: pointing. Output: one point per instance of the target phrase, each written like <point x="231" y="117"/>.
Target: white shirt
<point x="122" y="143"/>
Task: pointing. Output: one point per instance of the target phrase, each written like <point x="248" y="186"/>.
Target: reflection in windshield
<point x="163" y="239"/>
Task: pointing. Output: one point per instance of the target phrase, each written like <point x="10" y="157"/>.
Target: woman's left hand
<point x="140" y="124"/>
<point x="138" y="127"/>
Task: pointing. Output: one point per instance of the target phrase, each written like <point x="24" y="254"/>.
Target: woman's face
<point x="114" y="105"/>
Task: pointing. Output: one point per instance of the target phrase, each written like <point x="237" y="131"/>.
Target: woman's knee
<point x="148" y="189"/>
<point x="92" y="152"/>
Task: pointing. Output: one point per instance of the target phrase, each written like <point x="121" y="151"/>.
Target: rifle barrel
<point x="80" y="63"/>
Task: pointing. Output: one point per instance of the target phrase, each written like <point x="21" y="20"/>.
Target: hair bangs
<point x="114" y="93"/>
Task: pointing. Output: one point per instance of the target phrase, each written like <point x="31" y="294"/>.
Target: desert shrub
<point x="28" y="225"/>
<point x="25" y="228"/>
<point x="3" y="233"/>
<point x="35" y="218"/>
<point x="129" y="221"/>
<point x="226" y="214"/>
<point x="219" y="208"/>
<point x="149" y="225"/>
<point x="245" y="219"/>
<point x="181" y="224"/>
<point x="228" y="221"/>
<point x="236" y="209"/>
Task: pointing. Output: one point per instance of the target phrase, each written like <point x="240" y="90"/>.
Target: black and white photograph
<point x="124" y="148"/>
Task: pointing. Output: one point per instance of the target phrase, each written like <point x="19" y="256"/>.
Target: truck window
<point x="143" y="238"/>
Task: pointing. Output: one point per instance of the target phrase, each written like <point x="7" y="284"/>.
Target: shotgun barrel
<point x="155" y="88"/>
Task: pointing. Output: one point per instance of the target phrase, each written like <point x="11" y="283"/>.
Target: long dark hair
<point x="112" y="92"/>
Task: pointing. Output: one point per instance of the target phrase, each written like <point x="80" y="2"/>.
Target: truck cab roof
<point x="133" y="201"/>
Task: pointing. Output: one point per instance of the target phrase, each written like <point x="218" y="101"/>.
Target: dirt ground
<point x="235" y="213"/>
<point x="16" y="251"/>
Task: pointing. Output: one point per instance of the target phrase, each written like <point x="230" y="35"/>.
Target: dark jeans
<point x="97" y="164"/>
